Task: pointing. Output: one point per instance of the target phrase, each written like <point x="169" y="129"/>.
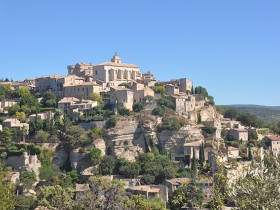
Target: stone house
<point x="121" y="97"/>
<point x="15" y="124"/>
<point x="140" y="92"/>
<point x="150" y="191"/>
<point x="273" y="142"/>
<point x="115" y="72"/>
<point x="190" y="147"/>
<point x="5" y="104"/>
<point x="81" y="69"/>
<point x="81" y="91"/>
<point x="171" y="89"/>
<point x="42" y="116"/>
<point x="65" y="104"/>
<point x="233" y="152"/>
<point x="148" y="79"/>
<point x="173" y="184"/>
<point x="184" y="103"/>
<point x="238" y="134"/>
<point x="45" y="83"/>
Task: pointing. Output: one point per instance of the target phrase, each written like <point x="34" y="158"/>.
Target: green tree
<point x="124" y="111"/>
<point x="12" y="110"/>
<point x="75" y="137"/>
<point x="231" y="113"/>
<point x="131" y="170"/>
<point x="158" y="111"/>
<point x="7" y="192"/>
<point x="125" y="84"/>
<point x="96" y="97"/>
<point x="190" y="195"/>
<point x="107" y="165"/>
<point x="194" y="164"/>
<point x="95" y="156"/>
<point x="104" y="195"/>
<point x="160" y="89"/>
<point x="259" y="189"/>
<point x="142" y="203"/>
<point x="56" y="197"/>
<point x="42" y="136"/>
<point x="138" y="107"/>
<point x="49" y="99"/>
<point x="111" y="122"/>
<point x="7" y="136"/>
<point x="27" y="178"/>
<point x="201" y="90"/>
<point x="25" y="202"/>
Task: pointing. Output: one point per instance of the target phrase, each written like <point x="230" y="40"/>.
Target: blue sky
<point x="230" y="47"/>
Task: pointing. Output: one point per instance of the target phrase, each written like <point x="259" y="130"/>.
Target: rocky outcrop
<point x="126" y="139"/>
<point x="60" y="156"/>
<point x="100" y="144"/>
<point x="172" y="142"/>
<point x="79" y="161"/>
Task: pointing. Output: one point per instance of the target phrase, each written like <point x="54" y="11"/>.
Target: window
<point x="95" y="72"/>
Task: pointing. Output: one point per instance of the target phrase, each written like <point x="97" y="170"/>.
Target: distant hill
<point x="267" y="113"/>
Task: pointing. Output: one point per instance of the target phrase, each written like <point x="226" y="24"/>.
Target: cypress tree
<point x="194" y="165"/>
<point x="200" y="155"/>
<point x="203" y="154"/>
<point x="250" y="156"/>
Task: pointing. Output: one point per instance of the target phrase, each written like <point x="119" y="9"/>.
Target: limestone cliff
<point x="173" y="142"/>
<point x="126" y="139"/>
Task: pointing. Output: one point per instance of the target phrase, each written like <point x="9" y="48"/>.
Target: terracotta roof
<point x="118" y="64"/>
<point x="193" y="144"/>
<point x="178" y="180"/>
<point x="83" y="84"/>
<point x="273" y="137"/>
<point x="82" y="187"/>
<point x="232" y="149"/>
<point x="68" y="99"/>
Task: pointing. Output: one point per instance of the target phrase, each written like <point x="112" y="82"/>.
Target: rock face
<point x="100" y="144"/>
<point x="173" y="142"/>
<point x="79" y="161"/>
<point x="126" y="139"/>
<point x="60" y="156"/>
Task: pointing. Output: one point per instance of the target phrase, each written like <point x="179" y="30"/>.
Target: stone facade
<point x="115" y="72"/>
<point x="82" y="91"/>
<point x="140" y="92"/>
<point x="238" y="134"/>
<point x="121" y="97"/>
<point x="274" y="143"/>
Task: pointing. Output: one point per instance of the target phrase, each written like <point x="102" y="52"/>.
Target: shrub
<point x="111" y="122"/>
<point x="124" y="112"/>
<point x="138" y="107"/>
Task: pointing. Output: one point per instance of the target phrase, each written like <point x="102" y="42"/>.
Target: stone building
<point x="238" y="134"/>
<point x="141" y="91"/>
<point x="15" y="124"/>
<point x="65" y="104"/>
<point x="115" y="72"/>
<point x="4" y="104"/>
<point x="273" y="142"/>
<point x="121" y="97"/>
<point x="45" y="83"/>
<point x="148" y="79"/>
<point x="81" y="91"/>
<point x="184" y="103"/>
<point x="233" y="152"/>
<point x="56" y="82"/>
<point x="81" y="70"/>
<point x="171" y="89"/>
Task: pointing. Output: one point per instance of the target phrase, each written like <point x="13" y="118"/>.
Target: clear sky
<point x="231" y="47"/>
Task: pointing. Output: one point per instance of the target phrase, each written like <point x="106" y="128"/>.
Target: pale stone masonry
<point x="121" y="97"/>
<point x="82" y="91"/>
<point x="273" y="142"/>
<point x="15" y="124"/>
<point x="141" y="91"/>
<point x="5" y="104"/>
<point x="115" y="72"/>
<point x="238" y="134"/>
<point x="56" y="82"/>
<point x="81" y="70"/>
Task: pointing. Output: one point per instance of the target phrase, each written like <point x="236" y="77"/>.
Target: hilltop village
<point x="106" y="124"/>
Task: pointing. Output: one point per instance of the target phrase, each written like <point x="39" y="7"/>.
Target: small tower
<point x="116" y="59"/>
